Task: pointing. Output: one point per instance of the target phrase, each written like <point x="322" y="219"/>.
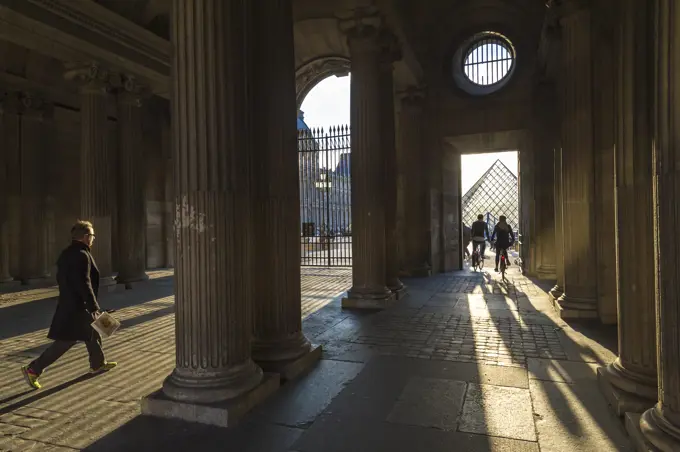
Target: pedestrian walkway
<point x="464" y="363"/>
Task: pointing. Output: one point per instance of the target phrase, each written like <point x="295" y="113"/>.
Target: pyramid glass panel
<point x="494" y="194"/>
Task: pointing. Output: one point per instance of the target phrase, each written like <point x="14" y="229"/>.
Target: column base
<point x="658" y="432"/>
<point x="416" y="272"/>
<point x="398" y="291"/>
<point x="640" y="443"/>
<point x="109" y="284"/>
<point x="9" y="284"/>
<point x="546" y="272"/>
<point x="361" y="299"/>
<point x="291" y="369"/>
<point x="623" y="401"/>
<point x="556" y="292"/>
<point x="132" y="282"/>
<point x="222" y="414"/>
<point x="575" y="308"/>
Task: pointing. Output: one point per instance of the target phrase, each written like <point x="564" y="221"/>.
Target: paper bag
<point x="106" y="324"/>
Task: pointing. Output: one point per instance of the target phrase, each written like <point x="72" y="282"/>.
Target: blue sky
<point x="327" y="104"/>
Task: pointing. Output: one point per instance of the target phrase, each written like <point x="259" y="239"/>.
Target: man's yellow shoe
<point x="108" y="365"/>
<point x="31" y="377"/>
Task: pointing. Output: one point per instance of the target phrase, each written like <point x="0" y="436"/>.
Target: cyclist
<point x="504" y="240"/>
<point x="480" y="232"/>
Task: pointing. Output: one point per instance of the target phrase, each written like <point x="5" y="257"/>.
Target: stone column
<point x="278" y="342"/>
<point x="369" y="285"/>
<point x="413" y="165"/>
<point x="390" y="54"/>
<point x="580" y="281"/>
<point x="527" y="206"/>
<point x="632" y="377"/>
<point x="215" y="379"/>
<point x="131" y="185"/>
<point x="557" y="291"/>
<point x="661" y="425"/>
<point x="95" y="163"/>
<point x="8" y="108"/>
<point x="545" y="132"/>
<point x="34" y="141"/>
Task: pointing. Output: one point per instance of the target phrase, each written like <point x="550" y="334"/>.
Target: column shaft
<point x="416" y="194"/>
<point x="213" y="319"/>
<point x="388" y="140"/>
<point x="5" y="161"/>
<point x="277" y="324"/>
<point x="33" y="141"/>
<point x="369" y="289"/>
<point x="634" y="371"/>
<point x="580" y="281"/>
<point x="95" y="162"/>
<point x="661" y="424"/>
<point x="557" y="291"/>
<point x="131" y="191"/>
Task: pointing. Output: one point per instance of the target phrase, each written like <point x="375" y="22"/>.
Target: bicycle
<point x="503" y="265"/>
<point x="477" y="261"/>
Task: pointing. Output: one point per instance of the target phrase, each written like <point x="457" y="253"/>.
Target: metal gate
<point x="325" y="197"/>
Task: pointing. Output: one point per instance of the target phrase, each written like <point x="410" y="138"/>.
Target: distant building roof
<point x="301" y="124"/>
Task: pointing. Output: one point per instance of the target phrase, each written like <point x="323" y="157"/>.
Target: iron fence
<point x="325" y="197"/>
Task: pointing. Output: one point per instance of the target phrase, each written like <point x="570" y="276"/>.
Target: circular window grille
<point x="484" y="63"/>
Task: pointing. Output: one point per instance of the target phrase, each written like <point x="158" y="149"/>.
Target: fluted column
<point x="369" y="285"/>
<point x="213" y="266"/>
<point x="661" y="424"/>
<point x="557" y="291"/>
<point x="131" y="185"/>
<point x="34" y="142"/>
<point x="278" y="340"/>
<point x="633" y="373"/>
<point x="390" y="54"/>
<point x="580" y="282"/>
<point x="413" y="166"/>
<point x="8" y="108"/>
<point x="95" y="162"/>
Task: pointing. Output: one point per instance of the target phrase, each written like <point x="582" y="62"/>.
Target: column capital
<point x="391" y="47"/>
<point x="10" y="103"/>
<point x="91" y="77"/>
<point x="33" y="106"/>
<point x="131" y="91"/>
<point x="412" y="96"/>
<point x="361" y="23"/>
<point x="566" y="8"/>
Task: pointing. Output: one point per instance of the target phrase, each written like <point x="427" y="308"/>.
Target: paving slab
<point x="429" y="402"/>
<point x="498" y="411"/>
<point x="561" y="371"/>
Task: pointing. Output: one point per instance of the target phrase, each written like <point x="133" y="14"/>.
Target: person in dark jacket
<point x="77" y="307"/>
<point x="480" y="232"/>
<point x="504" y="239"/>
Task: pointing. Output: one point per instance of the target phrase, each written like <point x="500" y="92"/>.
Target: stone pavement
<point x="464" y="363"/>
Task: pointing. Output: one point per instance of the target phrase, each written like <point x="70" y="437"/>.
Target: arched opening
<point x="324" y="169"/>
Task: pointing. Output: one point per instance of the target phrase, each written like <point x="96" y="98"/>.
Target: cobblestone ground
<point x="440" y="370"/>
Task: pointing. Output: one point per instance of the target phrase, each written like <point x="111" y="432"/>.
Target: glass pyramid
<point x="494" y="194"/>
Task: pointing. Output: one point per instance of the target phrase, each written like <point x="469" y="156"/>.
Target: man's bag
<point x="106" y="324"/>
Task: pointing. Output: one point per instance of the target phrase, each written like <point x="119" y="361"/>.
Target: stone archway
<point x="314" y="71"/>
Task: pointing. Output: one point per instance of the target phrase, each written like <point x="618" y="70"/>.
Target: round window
<point x="484" y="63"/>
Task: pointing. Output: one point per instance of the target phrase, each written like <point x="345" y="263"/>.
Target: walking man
<point x="77" y="308"/>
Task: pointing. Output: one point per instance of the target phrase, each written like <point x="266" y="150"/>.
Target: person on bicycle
<point x="480" y="232"/>
<point x="504" y="240"/>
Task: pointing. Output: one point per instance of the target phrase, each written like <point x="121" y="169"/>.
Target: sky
<point x="327" y="104"/>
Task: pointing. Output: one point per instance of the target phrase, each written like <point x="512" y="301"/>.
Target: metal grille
<point x="493" y="195"/>
<point x="325" y="197"/>
<point x="488" y="60"/>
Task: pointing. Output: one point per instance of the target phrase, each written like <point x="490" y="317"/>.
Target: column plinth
<point x="660" y="425"/>
<point x="390" y="54"/>
<point x="131" y="193"/>
<point x="278" y="342"/>
<point x="34" y="268"/>
<point x="633" y="375"/>
<point x="215" y="379"/>
<point x="95" y="163"/>
<point x="369" y="286"/>
<point x="579" y="299"/>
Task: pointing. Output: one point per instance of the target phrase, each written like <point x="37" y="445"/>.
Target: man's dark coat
<point x="78" y="279"/>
